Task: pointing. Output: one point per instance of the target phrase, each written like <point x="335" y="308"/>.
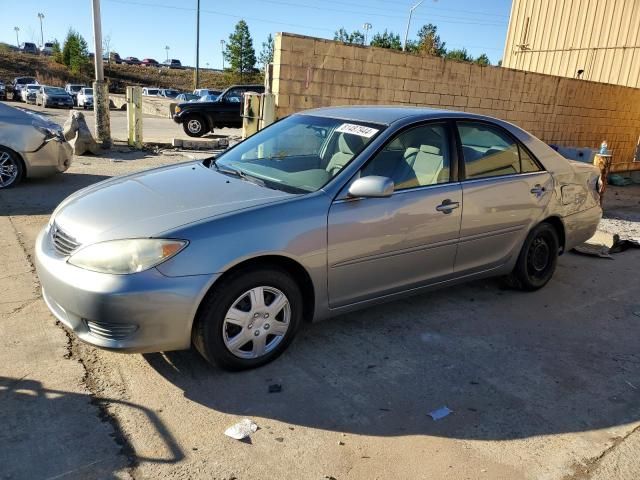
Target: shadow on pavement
<point x="48" y="433"/>
<point x="40" y="196"/>
<point x="510" y="365"/>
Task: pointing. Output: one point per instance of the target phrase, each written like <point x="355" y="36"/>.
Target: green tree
<point x="354" y="38"/>
<point x="75" y="53"/>
<point x="239" y="51"/>
<point x="266" y="55"/>
<point x="483" y="60"/>
<point x="429" y="41"/>
<point x="387" y="40"/>
<point x="460" y="54"/>
<point x="56" y="51"/>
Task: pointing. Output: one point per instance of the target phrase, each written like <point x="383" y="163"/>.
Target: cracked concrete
<point x="542" y="384"/>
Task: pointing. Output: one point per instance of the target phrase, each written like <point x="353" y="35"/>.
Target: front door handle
<point x="538" y="190"/>
<point x="447" y="206"/>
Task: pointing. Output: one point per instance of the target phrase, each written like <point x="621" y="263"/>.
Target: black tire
<point x="10" y="159"/>
<point x="537" y="260"/>
<point x="190" y="126"/>
<point x="208" y="333"/>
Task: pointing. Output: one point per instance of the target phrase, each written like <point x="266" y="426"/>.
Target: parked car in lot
<point x="113" y="57"/>
<point x="47" y="48"/>
<point x="150" y="91"/>
<point x="19" y="83"/>
<point x="187" y="97"/>
<point x="321" y="213"/>
<point x="28" y="93"/>
<point x="53" y="97"/>
<point x="29" y="47"/>
<point x="202" y="92"/>
<point x="131" y="61"/>
<point x="200" y="118"/>
<point x="149" y="62"/>
<point x="3" y="91"/>
<point x="30" y="146"/>
<point x="168" y="93"/>
<point x="73" y="89"/>
<point x="172" y="63"/>
<point x="209" y="98"/>
<point x="85" y="98"/>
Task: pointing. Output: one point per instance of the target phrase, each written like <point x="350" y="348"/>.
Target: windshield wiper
<point x="239" y="173"/>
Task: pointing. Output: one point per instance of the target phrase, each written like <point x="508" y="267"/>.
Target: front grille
<point x="111" y="331"/>
<point x="62" y="242"/>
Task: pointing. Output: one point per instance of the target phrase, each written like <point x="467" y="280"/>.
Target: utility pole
<point x="41" y="17"/>
<point x="167" y="49"/>
<point x="100" y="88"/>
<point x="17" y="29"/>
<point x="406" y="35"/>
<point x="197" y="79"/>
<point x="367" y="26"/>
<point x="222" y="50"/>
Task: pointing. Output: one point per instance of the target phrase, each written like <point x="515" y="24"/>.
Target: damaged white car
<point x="30" y="146"/>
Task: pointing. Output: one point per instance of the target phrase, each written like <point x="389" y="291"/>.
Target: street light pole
<point x="167" y="49"/>
<point x="100" y="89"/>
<point x="222" y="50"/>
<point x="406" y="35"/>
<point x="367" y="26"/>
<point x="197" y="79"/>
<point x="41" y="17"/>
<point x="17" y="29"/>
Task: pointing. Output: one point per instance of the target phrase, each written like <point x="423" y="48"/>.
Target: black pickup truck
<point x="199" y="118"/>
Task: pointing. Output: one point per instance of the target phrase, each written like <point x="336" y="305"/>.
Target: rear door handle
<point x="447" y="206"/>
<point x="538" y="190"/>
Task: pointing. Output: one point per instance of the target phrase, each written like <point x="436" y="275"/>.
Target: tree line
<point x="428" y="42"/>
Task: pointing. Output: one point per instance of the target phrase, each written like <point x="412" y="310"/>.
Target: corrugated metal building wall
<point x="595" y="40"/>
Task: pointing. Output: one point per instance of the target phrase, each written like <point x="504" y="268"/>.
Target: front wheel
<point x="11" y="170"/>
<point x="250" y="319"/>
<point x="194" y="126"/>
<point x="537" y="260"/>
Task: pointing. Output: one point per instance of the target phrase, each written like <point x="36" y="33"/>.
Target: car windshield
<point x="299" y="154"/>
<point x="75" y="88"/>
<point x="208" y="98"/>
<point x="33" y="87"/>
<point x="54" y="90"/>
<point x="88" y="91"/>
<point x="171" y="93"/>
<point x="152" y="91"/>
<point x="24" y="81"/>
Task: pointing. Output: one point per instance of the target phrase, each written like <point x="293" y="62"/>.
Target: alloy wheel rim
<point x="257" y="322"/>
<point x="194" y="126"/>
<point x="8" y="170"/>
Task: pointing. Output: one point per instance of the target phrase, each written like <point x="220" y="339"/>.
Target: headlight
<point x="177" y="110"/>
<point x="126" y="256"/>
<point x="48" y="133"/>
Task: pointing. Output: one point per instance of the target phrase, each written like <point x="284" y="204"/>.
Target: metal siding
<point x="599" y="36"/>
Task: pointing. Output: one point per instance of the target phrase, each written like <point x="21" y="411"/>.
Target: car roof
<point x="387" y="115"/>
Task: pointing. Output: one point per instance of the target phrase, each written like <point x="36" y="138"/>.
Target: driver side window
<point x="418" y="157"/>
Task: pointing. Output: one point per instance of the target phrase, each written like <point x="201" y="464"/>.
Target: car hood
<point x="149" y="203"/>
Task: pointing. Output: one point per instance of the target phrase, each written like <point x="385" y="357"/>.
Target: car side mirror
<point x="372" y="186"/>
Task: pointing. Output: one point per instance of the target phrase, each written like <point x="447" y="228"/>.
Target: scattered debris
<point x="329" y="477"/>
<point x="620" y="244"/>
<point x="340" y="442"/>
<point x="275" y="388"/>
<point x="279" y="439"/>
<point x="242" y="429"/>
<point x="440" y="413"/>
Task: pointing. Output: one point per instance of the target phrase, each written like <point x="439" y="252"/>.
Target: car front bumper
<point x="54" y="156"/>
<point x="141" y="312"/>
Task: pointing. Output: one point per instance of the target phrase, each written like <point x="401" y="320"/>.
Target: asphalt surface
<point x="155" y="129"/>
<point x="544" y="385"/>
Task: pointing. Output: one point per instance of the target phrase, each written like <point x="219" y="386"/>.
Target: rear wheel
<point x="11" y="169"/>
<point x="537" y="260"/>
<point x="250" y="319"/>
<point x="194" y="126"/>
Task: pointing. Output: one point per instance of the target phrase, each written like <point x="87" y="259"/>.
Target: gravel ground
<point x="622" y="211"/>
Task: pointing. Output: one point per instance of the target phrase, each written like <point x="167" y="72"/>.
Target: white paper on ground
<point x="242" y="429"/>
<point x="440" y="413"/>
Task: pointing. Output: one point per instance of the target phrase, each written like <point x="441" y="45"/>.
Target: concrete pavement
<point x="543" y="385"/>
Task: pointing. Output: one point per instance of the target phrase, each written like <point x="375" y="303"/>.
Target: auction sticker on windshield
<point x="359" y="130"/>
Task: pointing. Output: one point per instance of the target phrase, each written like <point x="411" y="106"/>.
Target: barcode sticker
<point x="359" y="130"/>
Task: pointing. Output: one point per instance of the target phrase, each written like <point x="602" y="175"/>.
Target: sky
<point x="143" y="28"/>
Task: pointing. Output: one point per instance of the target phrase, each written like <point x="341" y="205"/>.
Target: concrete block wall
<point x="310" y="72"/>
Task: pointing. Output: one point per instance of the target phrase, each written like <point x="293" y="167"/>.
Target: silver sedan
<point x="323" y="212"/>
<point x="30" y="146"/>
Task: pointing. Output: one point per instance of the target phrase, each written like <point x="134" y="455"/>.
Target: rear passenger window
<point x="487" y="151"/>
<point x="527" y="163"/>
<point x="416" y="158"/>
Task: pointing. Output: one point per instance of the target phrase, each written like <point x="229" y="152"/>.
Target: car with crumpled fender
<point x="30" y="147"/>
<point x="321" y="213"/>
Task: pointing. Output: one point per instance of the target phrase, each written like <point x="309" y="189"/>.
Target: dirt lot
<point x="543" y="385"/>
